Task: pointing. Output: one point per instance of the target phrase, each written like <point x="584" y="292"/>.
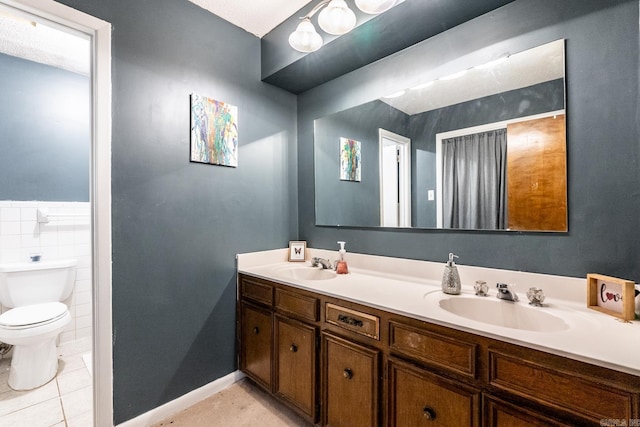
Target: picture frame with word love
<point x="611" y="295"/>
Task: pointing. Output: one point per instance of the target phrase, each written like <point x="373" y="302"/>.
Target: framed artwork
<point x="350" y="160"/>
<point x="214" y="132"/>
<point x="612" y="296"/>
<point x="297" y="251"/>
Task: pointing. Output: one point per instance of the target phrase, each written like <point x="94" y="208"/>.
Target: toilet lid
<point x="32" y="314"/>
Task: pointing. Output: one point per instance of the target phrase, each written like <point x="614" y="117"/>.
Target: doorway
<point x="395" y="179"/>
<point x="95" y="219"/>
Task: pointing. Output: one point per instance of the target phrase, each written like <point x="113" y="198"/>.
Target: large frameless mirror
<point x="482" y="149"/>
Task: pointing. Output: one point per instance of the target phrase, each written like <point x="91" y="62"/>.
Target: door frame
<point x="404" y="175"/>
<point x="100" y="33"/>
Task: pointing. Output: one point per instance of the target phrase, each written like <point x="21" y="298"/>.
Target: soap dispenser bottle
<point x="451" y="278"/>
<point x="341" y="265"/>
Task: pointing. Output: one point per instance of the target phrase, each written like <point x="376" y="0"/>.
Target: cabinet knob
<point x="293" y="348"/>
<point x="429" y="413"/>
<point x="256" y="330"/>
<point x="348" y="373"/>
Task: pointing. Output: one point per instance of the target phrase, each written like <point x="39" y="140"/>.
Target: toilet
<point x="34" y="293"/>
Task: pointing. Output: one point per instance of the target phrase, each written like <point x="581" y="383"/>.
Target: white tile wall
<point x="22" y="236"/>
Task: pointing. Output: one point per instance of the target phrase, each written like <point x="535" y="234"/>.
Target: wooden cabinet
<point x="295" y="364"/>
<point x="256" y="344"/>
<point x="499" y="413"/>
<point x="586" y="394"/>
<point x="278" y="342"/>
<point x="453" y="354"/>
<point x="350" y="383"/>
<point x="418" y="397"/>
<point x="340" y="363"/>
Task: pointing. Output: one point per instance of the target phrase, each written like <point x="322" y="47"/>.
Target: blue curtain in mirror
<point x="474" y="180"/>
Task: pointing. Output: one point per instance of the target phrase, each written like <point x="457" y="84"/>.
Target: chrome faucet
<point x="505" y="293"/>
<point x="319" y="262"/>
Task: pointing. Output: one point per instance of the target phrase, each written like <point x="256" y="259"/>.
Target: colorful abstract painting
<point x="214" y="132"/>
<point x="350" y="165"/>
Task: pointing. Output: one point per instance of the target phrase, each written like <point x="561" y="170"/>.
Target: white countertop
<point x="591" y="336"/>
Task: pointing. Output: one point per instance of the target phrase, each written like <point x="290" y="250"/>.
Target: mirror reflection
<point x="483" y="149"/>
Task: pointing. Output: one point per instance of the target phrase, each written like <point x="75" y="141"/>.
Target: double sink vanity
<point x="384" y="345"/>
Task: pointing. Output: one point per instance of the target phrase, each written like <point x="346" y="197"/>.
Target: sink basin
<point x="514" y="315"/>
<point x="306" y="273"/>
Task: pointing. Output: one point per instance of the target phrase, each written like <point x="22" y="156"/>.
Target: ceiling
<point x="43" y="42"/>
<point x="256" y="17"/>
<point x="49" y="44"/>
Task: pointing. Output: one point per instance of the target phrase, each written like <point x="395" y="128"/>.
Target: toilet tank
<point x="36" y="282"/>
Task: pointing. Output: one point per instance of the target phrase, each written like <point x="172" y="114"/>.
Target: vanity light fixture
<point x="305" y="38"/>
<point x="336" y="18"/>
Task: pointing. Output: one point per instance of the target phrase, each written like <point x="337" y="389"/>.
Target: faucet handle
<point x="481" y="288"/>
<point x="535" y="296"/>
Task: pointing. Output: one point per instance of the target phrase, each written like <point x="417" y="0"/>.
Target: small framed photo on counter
<point x="612" y="296"/>
<point x="297" y="251"/>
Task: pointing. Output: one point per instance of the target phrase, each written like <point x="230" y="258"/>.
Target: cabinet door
<point x="350" y="383"/>
<point x="498" y="413"/>
<point x="296" y="364"/>
<point x="418" y="398"/>
<point x="255" y="344"/>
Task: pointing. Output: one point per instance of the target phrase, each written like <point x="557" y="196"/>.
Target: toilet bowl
<point x="33" y="293"/>
<point x="33" y="330"/>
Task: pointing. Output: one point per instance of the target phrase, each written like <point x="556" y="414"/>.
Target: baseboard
<point x="183" y="402"/>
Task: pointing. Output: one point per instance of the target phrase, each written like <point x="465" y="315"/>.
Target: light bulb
<point x="336" y="18"/>
<point x="374" y="7"/>
<point x="305" y="38"/>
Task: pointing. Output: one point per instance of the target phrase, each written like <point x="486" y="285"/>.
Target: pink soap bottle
<point x="341" y="266"/>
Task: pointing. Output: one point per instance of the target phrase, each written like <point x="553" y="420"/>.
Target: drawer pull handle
<point x="350" y="320"/>
<point x="429" y="413"/>
<point x="293" y="348"/>
<point x="256" y="330"/>
<point x="348" y="373"/>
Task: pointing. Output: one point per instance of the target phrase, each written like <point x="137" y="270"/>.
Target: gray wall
<point x="349" y="202"/>
<point x="178" y="225"/>
<point x="603" y="138"/>
<point x="45" y="132"/>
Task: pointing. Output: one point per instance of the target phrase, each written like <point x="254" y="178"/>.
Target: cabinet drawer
<point x="418" y="397"/>
<point x="453" y="355"/>
<point x="572" y="391"/>
<point x="256" y="290"/>
<point x="353" y="320"/>
<point x="297" y="305"/>
<point x="498" y="413"/>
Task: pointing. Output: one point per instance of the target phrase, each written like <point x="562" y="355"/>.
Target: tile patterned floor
<point x="66" y="401"/>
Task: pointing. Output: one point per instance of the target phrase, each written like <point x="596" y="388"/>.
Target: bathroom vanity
<point x="372" y="349"/>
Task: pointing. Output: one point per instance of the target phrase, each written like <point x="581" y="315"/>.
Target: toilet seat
<point x="32" y="315"/>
